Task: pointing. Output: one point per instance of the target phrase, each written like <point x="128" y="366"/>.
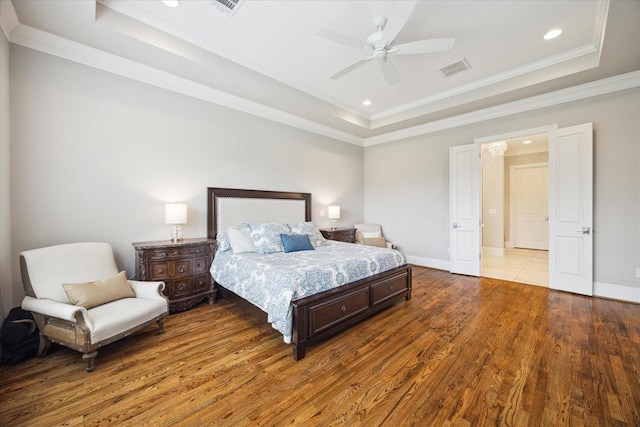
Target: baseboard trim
<point x="617" y="292"/>
<point x="438" y="264"/>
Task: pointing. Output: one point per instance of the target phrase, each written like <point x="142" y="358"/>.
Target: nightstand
<point x="182" y="266"/>
<point x="341" y="234"/>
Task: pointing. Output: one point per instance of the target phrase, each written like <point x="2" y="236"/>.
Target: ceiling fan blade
<point x="423" y="46"/>
<point x="350" y="68"/>
<point x="341" y="38"/>
<point x="389" y="71"/>
<point x="401" y="15"/>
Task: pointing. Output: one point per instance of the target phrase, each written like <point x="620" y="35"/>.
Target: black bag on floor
<point x="19" y="336"/>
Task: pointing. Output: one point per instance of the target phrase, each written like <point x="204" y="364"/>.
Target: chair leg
<point x="160" y="323"/>
<point x="43" y="346"/>
<point x="90" y="358"/>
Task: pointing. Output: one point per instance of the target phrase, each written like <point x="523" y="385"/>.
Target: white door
<point x="530" y="201"/>
<point x="464" y="197"/>
<point x="570" y="209"/>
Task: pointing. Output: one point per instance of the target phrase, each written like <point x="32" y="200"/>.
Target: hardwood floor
<point x="463" y="351"/>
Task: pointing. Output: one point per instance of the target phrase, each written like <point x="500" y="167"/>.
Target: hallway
<point x="518" y="265"/>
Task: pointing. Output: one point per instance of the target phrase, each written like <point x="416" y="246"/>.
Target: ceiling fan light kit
<point x="380" y="45"/>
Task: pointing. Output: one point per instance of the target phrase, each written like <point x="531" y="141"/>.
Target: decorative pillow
<point x="240" y="240"/>
<point x="100" y="292"/>
<point x="296" y="242"/>
<point x="266" y="236"/>
<point x="309" y="228"/>
<point x="375" y="241"/>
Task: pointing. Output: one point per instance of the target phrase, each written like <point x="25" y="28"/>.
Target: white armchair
<point x="107" y="306"/>
<point x="371" y="234"/>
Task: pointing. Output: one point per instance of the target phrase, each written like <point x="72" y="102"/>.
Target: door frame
<point x="543" y="130"/>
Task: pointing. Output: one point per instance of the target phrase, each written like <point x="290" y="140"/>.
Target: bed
<point x="306" y="309"/>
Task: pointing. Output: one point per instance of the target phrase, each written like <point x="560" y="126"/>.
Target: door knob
<point x="584" y="230"/>
<point x="455" y="225"/>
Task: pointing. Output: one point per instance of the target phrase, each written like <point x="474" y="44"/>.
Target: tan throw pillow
<point x="100" y="292"/>
<point x="375" y="241"/>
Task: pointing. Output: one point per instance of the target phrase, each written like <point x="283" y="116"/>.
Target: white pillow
<point x="240" y="240"/>
<point x="371" y="234"/>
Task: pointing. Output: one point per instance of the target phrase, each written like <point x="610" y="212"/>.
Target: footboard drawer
<point x="325" y="315"/>
<point x="389" y="289"/>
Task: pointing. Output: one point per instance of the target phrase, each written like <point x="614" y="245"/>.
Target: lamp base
<point x="334" y="224"/>
<point x="176" y="233"/>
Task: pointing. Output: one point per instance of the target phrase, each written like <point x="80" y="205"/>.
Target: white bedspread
<point x="272" y="281"/>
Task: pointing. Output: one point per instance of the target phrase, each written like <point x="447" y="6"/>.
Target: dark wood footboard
<point x="317" y="317"/>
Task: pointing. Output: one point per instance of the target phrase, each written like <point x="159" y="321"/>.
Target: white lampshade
<point x="334" y="212"/>
<point x="175" y="213"/>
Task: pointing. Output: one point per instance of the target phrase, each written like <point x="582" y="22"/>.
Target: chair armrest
<point x="391" y="245"/>
<point x="52" y="308"/>
<point x="149" y="290"/>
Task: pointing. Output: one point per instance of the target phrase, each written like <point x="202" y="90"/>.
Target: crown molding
<point x="492" y="80"/>
<point x="588" y="90"/>
<point x="58" y="46"/>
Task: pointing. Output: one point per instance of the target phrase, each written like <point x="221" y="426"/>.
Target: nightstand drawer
<point x="159" y="271"/>
<point x="182" y="269"/>
<point x="160" y="254"/>
<point x="200" y="265"/>
<point x="179" y="288"/>
<point x="200" y="283"/>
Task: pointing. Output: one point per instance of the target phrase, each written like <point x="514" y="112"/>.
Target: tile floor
<point x="518" y="265"/>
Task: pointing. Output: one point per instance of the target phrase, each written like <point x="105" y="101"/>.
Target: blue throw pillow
<point x="296" y="242"/>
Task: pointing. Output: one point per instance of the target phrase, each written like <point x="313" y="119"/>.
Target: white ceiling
<point x="267" y="59"/>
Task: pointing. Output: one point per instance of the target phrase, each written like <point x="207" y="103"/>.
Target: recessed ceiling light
<point x="171" y="3"/>
<point x="528" y="141"/>
<point x="366" y="102"/>
<point x="552" y="34"/>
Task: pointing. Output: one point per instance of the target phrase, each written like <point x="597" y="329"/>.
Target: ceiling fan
<point x="380" y="45"/>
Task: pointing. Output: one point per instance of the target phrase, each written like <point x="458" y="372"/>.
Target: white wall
<point x="407" y="183"/>
<point x="492" y="200"/>
<point x="6" y="290"/>
<point x="95" y="156"/>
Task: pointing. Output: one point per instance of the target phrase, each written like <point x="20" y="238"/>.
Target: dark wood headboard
<point x="216" y="195"/>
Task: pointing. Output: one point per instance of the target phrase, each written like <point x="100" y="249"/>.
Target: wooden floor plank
<point x="463" y="351"/>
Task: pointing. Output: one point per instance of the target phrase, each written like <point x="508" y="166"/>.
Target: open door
<point x="464" y="213"/>
<point x="571" y="209"/>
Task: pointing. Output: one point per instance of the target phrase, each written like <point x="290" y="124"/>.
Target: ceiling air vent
<point x="454" y="68"/>
<point x="227" y="6"/>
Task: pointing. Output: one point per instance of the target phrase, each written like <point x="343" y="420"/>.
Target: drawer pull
<point x="160" y="271"/>
<point x="182" y="286"/>
<point x="182" y="269"/>
<point x="200" y="283"/>
<point x="391" y="287"/>
<point x="343" y="308"/>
